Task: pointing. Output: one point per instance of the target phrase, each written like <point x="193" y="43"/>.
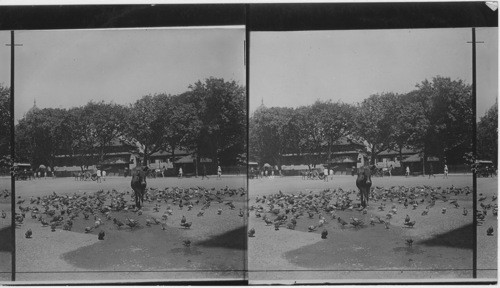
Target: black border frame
<point x="256" y="17"/>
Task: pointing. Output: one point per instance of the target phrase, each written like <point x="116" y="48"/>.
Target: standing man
<point x="103" y="175"/>
<point x="204" y="175"/>
<point x="431" y="171"/>
<point x="180" y="172"/>
<point x="98" y="175"/>
<point x="407" y="171"/>
<point x="219" y="172"/>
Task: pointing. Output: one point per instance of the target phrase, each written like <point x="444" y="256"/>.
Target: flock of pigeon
<point x="102" y="208"/>
<point x="287" y="209"/>
<point x="276" y="210"/>
<point x="482" y="211"/>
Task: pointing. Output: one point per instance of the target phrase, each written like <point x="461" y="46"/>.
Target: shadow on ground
<point x="234" y="239"/>
<point x="461" y="237"/>
<point x="6" y="239"/>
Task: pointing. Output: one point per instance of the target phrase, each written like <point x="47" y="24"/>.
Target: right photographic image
<point x="361" y="155"/>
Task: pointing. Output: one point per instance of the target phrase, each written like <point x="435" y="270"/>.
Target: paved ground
<point x="487" y="246"/>
<point x="5" y="232"/>
<point x="145" y="253"/>
<point x="442" y="246"/>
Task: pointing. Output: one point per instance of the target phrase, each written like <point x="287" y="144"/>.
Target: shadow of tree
<point x="6" y="239"/>
<point x="234" y="239"/>
<point x="459" y="238"/>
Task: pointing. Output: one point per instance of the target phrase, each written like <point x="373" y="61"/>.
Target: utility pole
<point x="474" y="153"/>
<point x="12" y="154"/>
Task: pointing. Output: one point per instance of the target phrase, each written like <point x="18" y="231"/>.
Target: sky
<point x="62" y="69"/>
<point x="291" y="69"/>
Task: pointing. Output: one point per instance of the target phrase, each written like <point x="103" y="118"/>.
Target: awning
<point x="418" y="158"/>
<point x="190" y="159"/>
<point x="114" y="161"/>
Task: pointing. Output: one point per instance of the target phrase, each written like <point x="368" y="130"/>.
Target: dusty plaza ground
<point x="218" y="249"/>
<point x="442" y="246"/>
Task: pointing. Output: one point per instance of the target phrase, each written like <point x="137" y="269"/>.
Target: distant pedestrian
<point x="445" y="171"/>
<point x="431" y="171"/>
<point x="45" y="175"/>
<point x="325" y="171"/>
<point x="180" y="172"/>
<point x="98" y="176"/>
<point x="390" y="171"/>
<point x="331" y="173"/>
<point x="407" y="171"/>
<point x="204" y="175"/>
<point x="103" y="175"/>
<point x="219" y="172"/>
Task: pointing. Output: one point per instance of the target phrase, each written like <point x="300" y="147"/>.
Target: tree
<point x="335" y="120"/>
<point x="373" y="122"/>
<point x="104" y="124"/>
<point x="409" y="127"/>
<point x="269" y="130"/>
<point x="487" y="136"/>
<point x="145" y="125"/>
<point x="39" y="136"/>
<point x="221" y="109"/>
<point x="181" y="122"/>
<point x="447" y="106"/>
<point x="5" y="124"/>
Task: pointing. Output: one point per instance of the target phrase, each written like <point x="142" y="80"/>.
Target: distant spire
<point x="262" y="101"/>
<point x="34" y="102"/>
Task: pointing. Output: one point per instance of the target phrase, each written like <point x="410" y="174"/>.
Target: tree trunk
<point x="196" y="165"/>
<point x="400" y="153"/>
<point x="372" y="160"/>
<point x="173" y="156"/>
<point x="423" y="162"/>
<point x="145" y="159"/>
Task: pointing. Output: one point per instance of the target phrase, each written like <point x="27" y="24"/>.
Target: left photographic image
<point x="6" y="233"/>
<point x="133" y="152"/>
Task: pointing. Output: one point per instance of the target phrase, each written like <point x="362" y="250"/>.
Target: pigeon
<point x="409" y="242"/>
<point x="410" y="224"/>
<point x="324" y="233"/>
<point x="101" y="235"/>
<point x="28" y="233"/>
<point x="251" y="233"/>
<point x="407" y="219"/>
<point x="489" y="232"/>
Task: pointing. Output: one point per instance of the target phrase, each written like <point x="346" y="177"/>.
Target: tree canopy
<point x="435" y="119"/>
<point x="208" y="119"/>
